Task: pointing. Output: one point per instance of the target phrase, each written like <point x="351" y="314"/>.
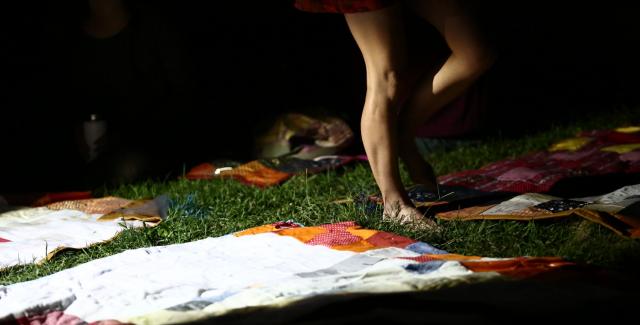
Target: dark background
<point x="241" y="63"/>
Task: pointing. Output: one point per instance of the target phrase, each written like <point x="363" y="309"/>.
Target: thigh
<point x="380" y="36"/>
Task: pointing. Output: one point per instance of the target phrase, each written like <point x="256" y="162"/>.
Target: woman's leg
<point x="470" y="57"/>
<point x="380" y="37"/>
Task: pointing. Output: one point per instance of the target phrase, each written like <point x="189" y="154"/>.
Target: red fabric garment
<point x="341" y="6"/>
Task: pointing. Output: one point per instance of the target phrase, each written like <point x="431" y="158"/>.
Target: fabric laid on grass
<point x="618" y="210"/>
<point x="272" y="265"/>
<point x="591" y="153"/>
<point x="31" y="235"/>
<point x="270" y="172"/>
<point x="446" y="198"/>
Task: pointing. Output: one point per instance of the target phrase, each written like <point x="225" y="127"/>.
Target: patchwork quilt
<point x="270" y="172"/>
<point x="270" y="265"/>
<point x="591" y="153"/>
<point x="619" y="210"/>
<point x="31" y="235"/>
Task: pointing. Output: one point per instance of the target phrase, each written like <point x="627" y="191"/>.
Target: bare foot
<point x="408" y="215"/>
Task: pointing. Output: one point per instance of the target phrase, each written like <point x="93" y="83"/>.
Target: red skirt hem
<point x="341" y="6"/>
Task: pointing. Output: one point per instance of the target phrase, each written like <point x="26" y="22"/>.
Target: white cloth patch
<point x="518" y="204"/>
<point x="32" y="233"/>
<point x="619" y="195"/>
<point x="212" y="276"/>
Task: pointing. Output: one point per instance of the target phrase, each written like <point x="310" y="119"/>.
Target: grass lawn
<point x="212" y="208"/>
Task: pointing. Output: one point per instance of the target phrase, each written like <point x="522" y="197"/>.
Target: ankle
<point x="397" y="202"/>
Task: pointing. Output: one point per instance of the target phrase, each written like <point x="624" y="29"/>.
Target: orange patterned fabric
<point x="256" y="230"/>
<point x="334" y="238"/>
<point x="518" y="267"/>
<point x="464" y="214"/>
<point x="100" y="206"/>
<point x="255" y="173"/>
<point x="349" y="236"/>
<point x="475" y="213"/>
<point x="341" y="236"/>
<point x="281" y="226"/>
<point x="385" y="239"/>
<point x="624" y="225"/>
<point x="202" y="171"/>
<point x="362" y="233"/>
<point x="303" y="234"/>
<point x="273" y="171"/>
<point x="356" y="246"/>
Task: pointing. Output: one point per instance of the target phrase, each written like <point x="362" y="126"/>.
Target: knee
<point x="385" y="83"/>
<point x="384" y="89"/>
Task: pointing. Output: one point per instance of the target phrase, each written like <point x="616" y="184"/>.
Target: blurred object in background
<point x="95" y="137"/>
<point x="300" y="136"/>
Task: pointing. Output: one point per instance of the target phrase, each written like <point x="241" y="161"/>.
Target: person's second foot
<point x="425" y="176"/>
